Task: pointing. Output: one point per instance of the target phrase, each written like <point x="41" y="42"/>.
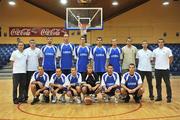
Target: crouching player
<point x="58" y="84"/>
<point x="74" y="89"/>
<point x="90" y="83"/>
<point x="132" y="84"/>
<point x="40" y="84"/>
<point x="110" y="84"/>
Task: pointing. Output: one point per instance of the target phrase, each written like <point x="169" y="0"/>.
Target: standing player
<point x="99" y="57"/>
<point x="82" y="55"/>
<point x="18" y="59"/>
<point x="163" y="58"/>
<point x="33" y="57"/>
<point x="66" y="55"/>
<point x="114" y="55"/>
<point x="49" y="53"/>
<point x="74" y="89"/>
<point x="131" y="83"/>
<point x="40" y="84"/>
<point x="110" y="83"/>
<point x="145" y="57"/>
<point x="58" y="84"/>
<point x="90" y="82"/>
<point x="128" y="55"/>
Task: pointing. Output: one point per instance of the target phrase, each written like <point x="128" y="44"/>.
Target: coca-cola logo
<point x="22" y="32"/>
<point x="50" y="32"/>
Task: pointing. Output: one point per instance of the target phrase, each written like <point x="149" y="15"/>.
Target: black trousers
<point x="148" y="75"/>
<point x="100" y="75"/>
<point x="29" y="75"/>
<point x="19" y="79"/>
<point x="165" y="75"/>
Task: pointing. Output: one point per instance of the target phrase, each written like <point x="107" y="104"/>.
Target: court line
<point x="89" y="117"/>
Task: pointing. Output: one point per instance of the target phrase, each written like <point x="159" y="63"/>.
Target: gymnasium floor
<point x="147" y="110"/>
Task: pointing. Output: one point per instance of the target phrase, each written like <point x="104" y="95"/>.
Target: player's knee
<point x="78" y="89"/>
<point x="69" y="94"/>
<point x="84" y="90"/>
<point x="46" y="92"/>
<point x="123" y="91"/>
<point x="33" y="86"/>
<point x="141" y="91"/>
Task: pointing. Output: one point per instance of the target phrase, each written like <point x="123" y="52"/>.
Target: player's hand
<point x="40" y="84"/>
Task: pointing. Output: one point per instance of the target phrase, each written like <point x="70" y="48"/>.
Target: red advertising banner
<point x="37" y="31"/>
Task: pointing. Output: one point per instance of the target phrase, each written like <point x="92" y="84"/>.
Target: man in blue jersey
<point x="66" y="55"/>
<point x="131" y="83"/>
<point x="99" y="57"/>
<point x="114" y="55"/>
<point x="74" y="89"/>
<point x="110" y="84"/>
<point x="40" y="84"/>
<point x="49" y="53"/>
<point x="82" y="55"/>
<point x="58" y="84"/>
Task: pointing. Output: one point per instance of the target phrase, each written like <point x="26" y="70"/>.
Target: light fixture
<point x="165" y="2"/>
<point x="115" y="3"/>
<point x="63" y="2"/>
<point x="12" y="2"/>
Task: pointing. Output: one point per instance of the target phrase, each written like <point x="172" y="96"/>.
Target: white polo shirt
<point x="162" y="58"/>
<point x="144" y="57"/>
<point x="19" y="61"/>
<point x="32" y="58"/>
<point x="128" y="56"/>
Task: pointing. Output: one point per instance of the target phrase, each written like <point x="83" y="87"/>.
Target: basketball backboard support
<point x="91" y="17"/>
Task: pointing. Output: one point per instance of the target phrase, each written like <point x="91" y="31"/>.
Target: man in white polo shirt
<point x="145" y="57"/>
<point x="33" y="59"/>
<point x="163" y="58"/>
<point x="18" y="59"/>
<point x="128" y="55"/>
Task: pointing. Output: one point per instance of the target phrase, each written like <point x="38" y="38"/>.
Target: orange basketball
<point x="88" y="100"/>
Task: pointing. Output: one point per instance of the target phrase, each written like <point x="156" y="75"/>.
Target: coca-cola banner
<point x="36" y="31"/>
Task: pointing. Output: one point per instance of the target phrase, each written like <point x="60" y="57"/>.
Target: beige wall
<point x="148" y="21"/>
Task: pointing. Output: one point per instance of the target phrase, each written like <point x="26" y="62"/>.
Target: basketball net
<point x="83" y="28"/>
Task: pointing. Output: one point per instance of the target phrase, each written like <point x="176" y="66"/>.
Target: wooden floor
<point x="147" y="110"/>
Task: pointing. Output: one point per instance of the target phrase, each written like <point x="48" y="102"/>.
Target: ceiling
<point x="54" y="7"/>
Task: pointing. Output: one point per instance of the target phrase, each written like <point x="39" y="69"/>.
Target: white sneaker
<point x="62" y="99"/>
<point x="106" y="98"/>
<point x="77" y="99"/>
<point x="71" y="100"/>
<point x="54" y="100"/>
<point x="116" y="99"/>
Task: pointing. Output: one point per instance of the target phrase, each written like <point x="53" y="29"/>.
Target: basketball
<point x="88" y="100"/>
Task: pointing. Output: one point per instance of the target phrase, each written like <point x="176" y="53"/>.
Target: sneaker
<point x="54" y="99"/>
<point x="126" y="99"/>
<point x="71" y="100"/>
<point x="168" y="100"/>
<point x="35" y="100"/>
<point x="46" y="98"/>
<point x="151" y="98"/>
<point x="77" y="99"/>
<point x="43" y="98"/>
<point x="62" y="99"/>
<point x="16" y="101"/>
<point x="137" y="100"/>
<point x="106" y="99"/>
<point x="158" y="99"/>
<point x="116" y="99"/>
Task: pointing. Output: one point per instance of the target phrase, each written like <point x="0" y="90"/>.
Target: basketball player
<point x="145" y="57"/>
<point x="33" y="59"/>
<point x="49" y="53"/>
<point x="114" y="56"/>
<point x="66" y="55"/>
<point x="74" y="89"/>
<point x="82" y="55"/>
<point x="40" y="84"/>
<point x="110" y="84"/>
<point x="90" y="82"/>
<point x="163" y="58"/>
<point x="58" y="84"/>
<point x="131" y="83"/>
<point x="18" y="59"/>
<point x="128" y="55"/>
<point x="99" y="58"/>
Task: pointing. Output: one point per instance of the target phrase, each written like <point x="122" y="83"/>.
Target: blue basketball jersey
<point x="99" y="57"/>
<point x="110" y="80"/>
<point x="76" y="80"/>
<point x="66" y="54"/>
<point x="114" y="55"/>
<point x="82" y="54"/>
<point x="44" y="79"/>
<point x="49" y="57"/>
<point x="131" y="82"/>
<point x="58" y="79"/>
